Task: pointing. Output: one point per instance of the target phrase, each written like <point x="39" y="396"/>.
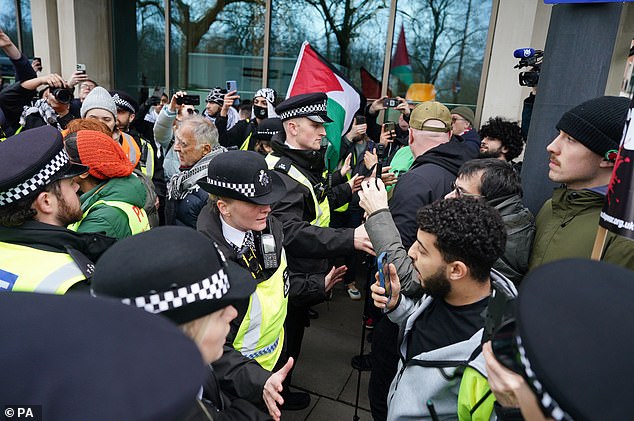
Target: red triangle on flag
<point x="313" y="75"/>
<point x="401" y="57"/>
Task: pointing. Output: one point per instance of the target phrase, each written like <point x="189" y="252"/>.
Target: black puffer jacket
<point x="428" y="180"/>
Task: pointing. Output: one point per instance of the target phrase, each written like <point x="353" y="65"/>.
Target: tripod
<point x="371" y="264"/>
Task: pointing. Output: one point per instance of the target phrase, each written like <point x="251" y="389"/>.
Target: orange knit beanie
<point x="102" y="154"/>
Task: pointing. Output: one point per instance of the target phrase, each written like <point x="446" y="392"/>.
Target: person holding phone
<point x="243" y="134"/>
<point x="214" y="106"/>
<point x="457" y="242"/>
<point x="237" y="218"/>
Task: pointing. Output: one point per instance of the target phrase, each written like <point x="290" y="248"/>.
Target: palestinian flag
<point x="401" y="67"/>
<point x="313" y="73"/>
<point x="618" y="210"/>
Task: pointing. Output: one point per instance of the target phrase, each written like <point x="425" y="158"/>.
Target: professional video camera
<point x="529" y="57"/>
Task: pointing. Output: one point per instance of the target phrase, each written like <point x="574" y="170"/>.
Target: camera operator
<point x="53" y="108"/>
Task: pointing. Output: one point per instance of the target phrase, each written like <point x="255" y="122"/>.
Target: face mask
<point x="260" y="112"/>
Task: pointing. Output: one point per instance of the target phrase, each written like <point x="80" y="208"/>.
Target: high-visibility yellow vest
<point x="322" y="210"/>
<point x="142" y="157"/>
<point x="261" y="333"/>
<point x="32" y="270"/>
<point x="137" y="218"/>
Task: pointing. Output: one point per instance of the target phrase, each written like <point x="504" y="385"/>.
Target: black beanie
<point x="597" y="123"/>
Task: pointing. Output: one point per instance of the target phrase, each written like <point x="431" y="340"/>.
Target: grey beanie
<point x="98" y="98"/>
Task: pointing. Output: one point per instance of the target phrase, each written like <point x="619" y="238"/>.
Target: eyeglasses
<point x="454" y="119"/>
<point x="461" y="193"/>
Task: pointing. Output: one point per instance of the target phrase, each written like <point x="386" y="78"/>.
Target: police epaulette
<point x="283" y="164"/>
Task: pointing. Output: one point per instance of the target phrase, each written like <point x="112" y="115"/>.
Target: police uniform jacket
<point x="84" y="248"/>
<point x="238" y="375"/>
<point x="308" y="247"/>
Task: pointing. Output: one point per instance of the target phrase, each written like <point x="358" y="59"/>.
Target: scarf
<point x="44" y="109"/>
<point x="183" y="183"/>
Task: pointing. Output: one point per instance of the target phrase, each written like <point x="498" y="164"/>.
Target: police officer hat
<point x="311" y="106"/>
<point x="268" y="128"/>
<point x="82" y="358"/>
<point x="243" y="175"/>
<point x="125" y="101"/>
<point x="575" y="337"/>
<point x="174" y="271"/>
<point x="32" y="160"/>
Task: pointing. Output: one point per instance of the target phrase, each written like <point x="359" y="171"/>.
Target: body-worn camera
<point x="390" y="102"/>
<point x="188" y="100"/>
<point x="63" y="95"/>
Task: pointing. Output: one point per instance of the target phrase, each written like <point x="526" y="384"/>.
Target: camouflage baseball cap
<point x="430" y="110"/>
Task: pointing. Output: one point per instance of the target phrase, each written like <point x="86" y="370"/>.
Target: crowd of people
<point x="228" y="224"/>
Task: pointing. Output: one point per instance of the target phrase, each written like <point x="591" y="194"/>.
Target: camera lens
<point x="63" y="95"/>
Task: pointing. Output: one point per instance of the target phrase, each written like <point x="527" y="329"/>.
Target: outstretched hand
<point x="272" y="392"/>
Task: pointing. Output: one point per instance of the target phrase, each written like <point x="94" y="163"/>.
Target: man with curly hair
<point x="457" y="242"/>
<point x="501" y="139"/>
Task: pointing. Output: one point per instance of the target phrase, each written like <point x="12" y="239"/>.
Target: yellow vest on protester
<point x="261" y="333"/>
<point x="322" y="210"/>
<point x="142" y="157"/>
<point x="137" y="218"/>
<point x="32" y="270"/>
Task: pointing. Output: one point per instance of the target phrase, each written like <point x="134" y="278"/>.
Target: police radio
<point x="267" y="245"/>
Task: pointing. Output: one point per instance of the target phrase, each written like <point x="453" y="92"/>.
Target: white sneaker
<point x="354" y="293"/>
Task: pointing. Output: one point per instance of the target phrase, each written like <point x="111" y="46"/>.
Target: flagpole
<point x="599" y="243"/>
<point x="388" y="48"/>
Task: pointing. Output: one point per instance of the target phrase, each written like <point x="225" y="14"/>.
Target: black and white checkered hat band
<point x="122" y="103"/>
<point x="547" y="402"/>
<point x="40" y="179"/>
<point x="211" y="288"/>
<point x="313" y="109"/>
<point x="267" y="132"/>
<point x="247" y="190"/>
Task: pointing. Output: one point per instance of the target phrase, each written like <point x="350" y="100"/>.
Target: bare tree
<point x="344" y="19"/>
<point x="193" y="21"/>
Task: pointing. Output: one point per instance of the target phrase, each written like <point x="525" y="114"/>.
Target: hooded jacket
<point x="108" y="219"/>
<point x="520" y="230"/>
<point x="567" y="225"/>
<point x="429" y="179"/>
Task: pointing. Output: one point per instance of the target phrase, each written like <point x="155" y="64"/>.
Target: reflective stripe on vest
<point x="147" y="159"/>
<point x="261" y="333"/>
<point x="245" y="144"/>
<point x="54" y="273"/>
<point x="137" y="218"/>
<point x="322" y="210"/>
<point x="130" y="148"/>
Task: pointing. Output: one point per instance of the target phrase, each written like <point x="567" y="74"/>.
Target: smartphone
<point x="232" y="85"/>
<point x="360" y="119"/>
<point x="81" y="68"/>
<point x="389" y="126"/>
<point x="188" y="100"/>
<point x="390" y="102"/>
<point x="384" y="273"/>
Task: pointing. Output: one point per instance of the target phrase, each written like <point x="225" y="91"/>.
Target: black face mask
<point x="260" y="112"/>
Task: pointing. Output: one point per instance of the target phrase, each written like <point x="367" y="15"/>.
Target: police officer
<point x="179" y="274"/>
<point x="304" y="211"/>
<point x="237" y="219"/>
<point x="60" y="355"/>
<point x="38" y="199"/>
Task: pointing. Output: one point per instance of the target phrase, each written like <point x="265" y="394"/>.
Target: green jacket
<point x="567" y="226"/>
<point x="108" y="219"/>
